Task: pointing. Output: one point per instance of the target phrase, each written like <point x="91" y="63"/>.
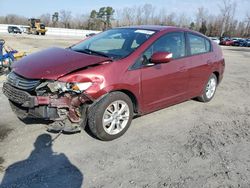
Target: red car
<point x="106" y="80"/>
<point x="227" y="42"/>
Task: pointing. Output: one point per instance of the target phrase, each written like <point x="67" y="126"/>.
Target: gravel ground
<point x="187" y="145"/>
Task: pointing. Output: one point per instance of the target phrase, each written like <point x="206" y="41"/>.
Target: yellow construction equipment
<point x="36" y="27"/>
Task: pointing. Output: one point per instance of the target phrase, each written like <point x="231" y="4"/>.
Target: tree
<point x="80" y="21"/>
<point x="45" y="18"/>
<point x="103" y="16"/>
<point x="14" y="19"/>
<point x="192" y="26"/>
<point x="127" y="16"/>
<point x="65" y="17"/>
<point x="92" y="20"/>
<point x="55" y="18"/>
<point x="247" y="30"/>
<point x="201" y="16"/>
<point x="203" y="28"/>
<point x="183" y="20"/>
<point x="148" y="13"/>
<point x="227" y="16"/>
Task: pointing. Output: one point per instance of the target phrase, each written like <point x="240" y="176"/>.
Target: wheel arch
<point x="217" y="74"/>
<point x="132" y="97"/>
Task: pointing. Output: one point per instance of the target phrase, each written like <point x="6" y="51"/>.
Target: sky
<point x="32" y="8"/>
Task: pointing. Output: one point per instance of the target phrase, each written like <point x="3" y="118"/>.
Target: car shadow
<point x="29" y="121"/>
<point x="43" y="168"/>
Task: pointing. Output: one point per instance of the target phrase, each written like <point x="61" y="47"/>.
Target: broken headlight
<point x="64" y="86"/>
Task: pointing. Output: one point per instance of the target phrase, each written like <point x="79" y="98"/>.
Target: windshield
<point x="114" y="43"/>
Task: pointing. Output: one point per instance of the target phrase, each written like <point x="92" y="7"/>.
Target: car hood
<point x="54" y="63"/>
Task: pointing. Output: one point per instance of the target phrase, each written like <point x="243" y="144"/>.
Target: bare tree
<point x="147" y="13"/>
<point x="65" y="18"/>
<point x="227" y="10"/>
<point x="139" y="16"/>
<point x="14" y="19"/>
<point x="80" y="21"/>
<point x="247" y="30"/>
<point x="45" y="18"/>
<point x="128" y="15"/>
<point x="201" y="17"/>
<point x="183" y="20"/>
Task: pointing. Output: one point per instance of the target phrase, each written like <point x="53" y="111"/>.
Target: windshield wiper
<point x="88" y="51"/>
<point x="96" y="52"/>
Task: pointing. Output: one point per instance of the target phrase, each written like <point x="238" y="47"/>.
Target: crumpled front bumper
<point x="46" y="107"/>
<point x="26" y="100"/>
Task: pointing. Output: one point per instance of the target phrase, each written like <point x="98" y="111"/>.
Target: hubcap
<point x="115" y="117"/>
<point x="210" y="89"/>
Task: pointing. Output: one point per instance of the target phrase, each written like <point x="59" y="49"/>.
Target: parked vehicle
<point x="215" y="39"/>
<point x="90" y="34"/>
<point x="240" y="42"/>
<point x="14" y="29"/>
<point x="227" y="42"/>
<point x="105" y="80"/>
<point x="248" y="42"/>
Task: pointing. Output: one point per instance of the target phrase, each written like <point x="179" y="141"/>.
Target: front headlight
<point x="64" y="86"/>
<point x="78" y="86"/>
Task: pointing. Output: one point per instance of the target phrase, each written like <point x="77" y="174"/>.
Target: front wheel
<point x="209" y="89"/>
<point x="110" y="117"/>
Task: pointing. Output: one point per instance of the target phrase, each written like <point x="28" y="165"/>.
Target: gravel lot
<point x="187" y="145"/>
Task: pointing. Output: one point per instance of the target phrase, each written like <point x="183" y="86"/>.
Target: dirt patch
<point x="4" y="132"/>
<point x="1" y="162"/>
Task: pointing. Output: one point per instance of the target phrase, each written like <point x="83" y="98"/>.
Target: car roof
<point x="161" y="28"/>
<point x="153" y="27"/>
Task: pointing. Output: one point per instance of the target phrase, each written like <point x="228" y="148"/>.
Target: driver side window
<point x="171" y="42"/>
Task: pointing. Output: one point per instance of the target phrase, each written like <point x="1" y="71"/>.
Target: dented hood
<point x="53" y="63"/>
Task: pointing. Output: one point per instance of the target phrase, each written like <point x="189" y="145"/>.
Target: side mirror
<point x="161" y="57"/>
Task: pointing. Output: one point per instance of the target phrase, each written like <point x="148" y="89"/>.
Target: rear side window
<point x="198" y="44"/>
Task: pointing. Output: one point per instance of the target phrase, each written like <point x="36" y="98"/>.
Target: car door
<point x="165" y="84"/>
<point x="199" y="63"/>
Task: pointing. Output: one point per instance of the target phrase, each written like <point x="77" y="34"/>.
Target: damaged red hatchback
<point x="107" y="79"/>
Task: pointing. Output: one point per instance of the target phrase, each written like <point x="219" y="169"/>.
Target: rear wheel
<point x="209" y="89"/>
<point x="110" y="117"/>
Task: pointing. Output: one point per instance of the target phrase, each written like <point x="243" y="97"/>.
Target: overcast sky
<point x="33" y="8"/>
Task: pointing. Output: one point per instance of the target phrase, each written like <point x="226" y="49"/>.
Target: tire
<point x="104" y="109"/>
<point x="42" y="33"/>
<point x="210" y="85"/>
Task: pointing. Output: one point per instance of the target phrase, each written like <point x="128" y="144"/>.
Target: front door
<point x="165" y="84"/>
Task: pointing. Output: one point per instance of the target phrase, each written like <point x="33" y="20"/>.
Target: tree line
<point x="222" y="24"/>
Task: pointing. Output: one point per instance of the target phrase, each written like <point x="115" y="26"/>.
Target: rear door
<point x="199" y="62"/>
<point x="165" y="84"/>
